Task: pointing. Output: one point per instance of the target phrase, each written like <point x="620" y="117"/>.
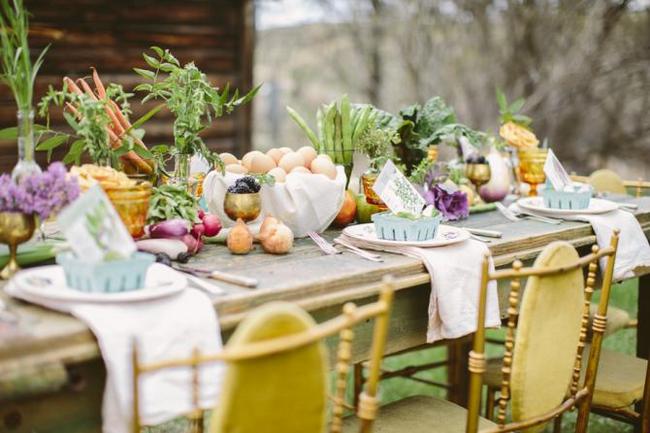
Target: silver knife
<point x="483" y="232"/>
<point x="221" y="276"/>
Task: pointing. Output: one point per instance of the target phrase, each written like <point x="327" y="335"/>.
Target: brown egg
<point x="261" y="164"/>
<point x="279" y="174"/>
<point x="290" y="161"/>
<point x="323" y="165"/>
<point x="301" y="169"/>
<point x="308" y="153"/>
<point x="246" y="160"/>
<point x="276" y="154"/>
<point x="324" y="155"/>
<point x="228" y="158"/>
<point x="285" y="150"/>
<point x="236" y="168"/>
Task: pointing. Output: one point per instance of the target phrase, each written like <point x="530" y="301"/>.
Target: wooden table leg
<point x="458" y="376"/>
<point x="643" y="330"/>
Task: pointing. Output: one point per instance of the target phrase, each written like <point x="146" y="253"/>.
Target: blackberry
<point x="252" y="184"/>
<point x="164" y="259"/>
<point x="239" y="189"/>
<point x="476" y="159"/>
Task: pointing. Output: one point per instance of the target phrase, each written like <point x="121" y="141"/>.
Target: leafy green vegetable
<point x="188" y="94"/>
<point x="171" y="201"/>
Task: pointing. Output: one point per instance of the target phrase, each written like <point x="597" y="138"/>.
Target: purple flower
<point x="42" y="194"/>
<point x="451" y="203"/>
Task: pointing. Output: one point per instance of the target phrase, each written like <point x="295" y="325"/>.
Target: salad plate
<point x="446" y="235"/>
<point x="596" y="206"/>
<point x="48" y="282"/>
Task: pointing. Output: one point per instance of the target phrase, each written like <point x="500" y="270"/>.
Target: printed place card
<point x="93" y="228"/>
<point x="397" y="192"/>
<point x="555" y="172"/>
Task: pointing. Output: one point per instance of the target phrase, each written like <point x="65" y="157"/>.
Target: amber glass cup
<point x="531" y="167"/>
<point x="132" y="205"/>
<point x="368" y="179"/>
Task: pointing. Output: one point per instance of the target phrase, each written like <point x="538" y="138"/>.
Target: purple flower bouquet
<point x="41" y="194"/>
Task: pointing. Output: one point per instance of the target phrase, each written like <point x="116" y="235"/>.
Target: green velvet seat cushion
<point x="418" y="414"/>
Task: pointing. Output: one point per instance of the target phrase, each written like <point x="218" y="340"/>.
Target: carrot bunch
<point x="119" y="126"/>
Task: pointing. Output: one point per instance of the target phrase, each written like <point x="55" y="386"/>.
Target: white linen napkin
<point x="633" y="254"/>
<point x="165" y="328"/>
<point x="455" y="282"/>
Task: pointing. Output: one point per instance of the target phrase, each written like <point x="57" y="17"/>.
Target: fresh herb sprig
<point x="510" y="112"/>
<point x="18" y="71"/>
<point x="191" y="98"/>
<point x="171" y="201"/>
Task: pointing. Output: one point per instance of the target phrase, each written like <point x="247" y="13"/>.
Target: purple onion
<point x="175" y="228"/>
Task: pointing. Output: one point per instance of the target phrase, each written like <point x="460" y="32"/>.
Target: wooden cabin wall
<point x="111" y="36"/>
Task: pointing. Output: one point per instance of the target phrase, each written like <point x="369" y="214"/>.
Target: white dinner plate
<point x="596" y="206"/>
<point x="446" y="235"/>
<point x="48" y="282"/>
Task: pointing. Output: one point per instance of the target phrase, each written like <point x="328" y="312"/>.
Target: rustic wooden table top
<point x="304" y="276"/>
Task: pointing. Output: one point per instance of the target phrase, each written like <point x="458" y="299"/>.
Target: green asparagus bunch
<point x="340" y="126"/>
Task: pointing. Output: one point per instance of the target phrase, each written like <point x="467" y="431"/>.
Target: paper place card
<point x="555" y="172"/>
<point x="397" y="192"/>
<point x="94" y="230"/>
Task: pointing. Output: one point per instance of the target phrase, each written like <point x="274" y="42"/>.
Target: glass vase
<point x="26" y="165"/>
<point x="181" y="175"/>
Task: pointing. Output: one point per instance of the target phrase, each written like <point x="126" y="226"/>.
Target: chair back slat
<point x="343" y="357"/>
<point x="506" y="369"/>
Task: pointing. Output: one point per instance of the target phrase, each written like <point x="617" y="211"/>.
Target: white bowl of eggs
<point x="308" y="191"/>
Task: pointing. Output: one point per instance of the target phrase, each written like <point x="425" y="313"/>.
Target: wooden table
<point x="51" y="373"/>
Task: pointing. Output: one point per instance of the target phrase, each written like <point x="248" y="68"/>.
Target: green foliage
<point x="377" y="143"/>
<point x="191" y="98"/>
<point x="90" y="125"/>
<point x="510" y="112"/>
<point x="18" y="71"/>
<point x="172" y="201"/>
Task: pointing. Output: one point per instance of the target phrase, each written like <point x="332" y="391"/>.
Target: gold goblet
<point x="246" y="206"/>
<point x="15" y="228"/>
<point x="479" y="174"/>
<point x="531" y="167"/>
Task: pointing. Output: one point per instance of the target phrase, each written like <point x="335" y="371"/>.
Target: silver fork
<point x="517" y="216"/>
<point x="325" y="246"/>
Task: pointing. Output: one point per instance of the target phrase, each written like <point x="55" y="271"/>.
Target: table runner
<point x="633" y="254"/>
<point x="455" y="282"/>
<point x="166" y="328"/>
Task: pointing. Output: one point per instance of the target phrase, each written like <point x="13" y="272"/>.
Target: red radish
<point x="191" y="242"/>
<point x="201" y="213"/>
<point x="212" y="225"/>
<point x="198" y="230"/>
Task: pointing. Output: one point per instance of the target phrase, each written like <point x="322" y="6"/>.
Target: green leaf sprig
<point x="171" y="201"/>
<point x="18" y="71"/>
<point x="191" y="98"/>
<point x="511" y="112"/>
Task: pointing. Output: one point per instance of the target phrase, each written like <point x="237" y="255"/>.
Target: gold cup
<point x="15" y="228"/>
<point x="368" y="180"/>
<point x="245" y="206"/>
<point x="531" y="167"/>
<point x="479" y="175"/>
<point x="132" y="205"/>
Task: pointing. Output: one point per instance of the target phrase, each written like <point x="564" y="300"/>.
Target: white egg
<point x="323" y="165"/>
<point x="261" y="164"/>
<point x="290" y="161"/>
<point x="279" y="174"/>
<point x="308" y="153"/>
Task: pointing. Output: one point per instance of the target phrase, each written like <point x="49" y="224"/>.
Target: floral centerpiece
<point x="447" y="198"/>
<point x="39" y="195"/>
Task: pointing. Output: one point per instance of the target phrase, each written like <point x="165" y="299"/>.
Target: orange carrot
<point x="101" y="90"/>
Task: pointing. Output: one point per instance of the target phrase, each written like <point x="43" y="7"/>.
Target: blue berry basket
<point x="105" y="277"/>
<point x="568" y="200"/>
<point x="391" y="227"/>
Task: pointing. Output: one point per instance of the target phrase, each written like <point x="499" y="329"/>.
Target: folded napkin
<point x="165" y="328"/>
<point x="633" y="254"/>
<point x="455" y="282"/>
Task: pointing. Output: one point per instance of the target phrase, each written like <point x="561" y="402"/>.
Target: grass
<point x="623" y="296"/>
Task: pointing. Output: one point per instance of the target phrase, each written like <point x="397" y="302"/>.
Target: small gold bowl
<point x="245" y="206"/>
<point x="15" y="228"/>
<point x="478" y="174"/>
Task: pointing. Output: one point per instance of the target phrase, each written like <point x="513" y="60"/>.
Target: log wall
<point x="111" y="36"/>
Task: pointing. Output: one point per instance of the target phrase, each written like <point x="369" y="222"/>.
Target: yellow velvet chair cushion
<point x="620" y="380"/>
<point x="418" y="414"/>
<point x="547" y="336"/>
<point x="281" y="393"/>
<point x="607" y="181"/>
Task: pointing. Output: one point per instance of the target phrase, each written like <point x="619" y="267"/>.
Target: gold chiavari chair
<point x="277" y="376"/>
<point x="545" y="339"/>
